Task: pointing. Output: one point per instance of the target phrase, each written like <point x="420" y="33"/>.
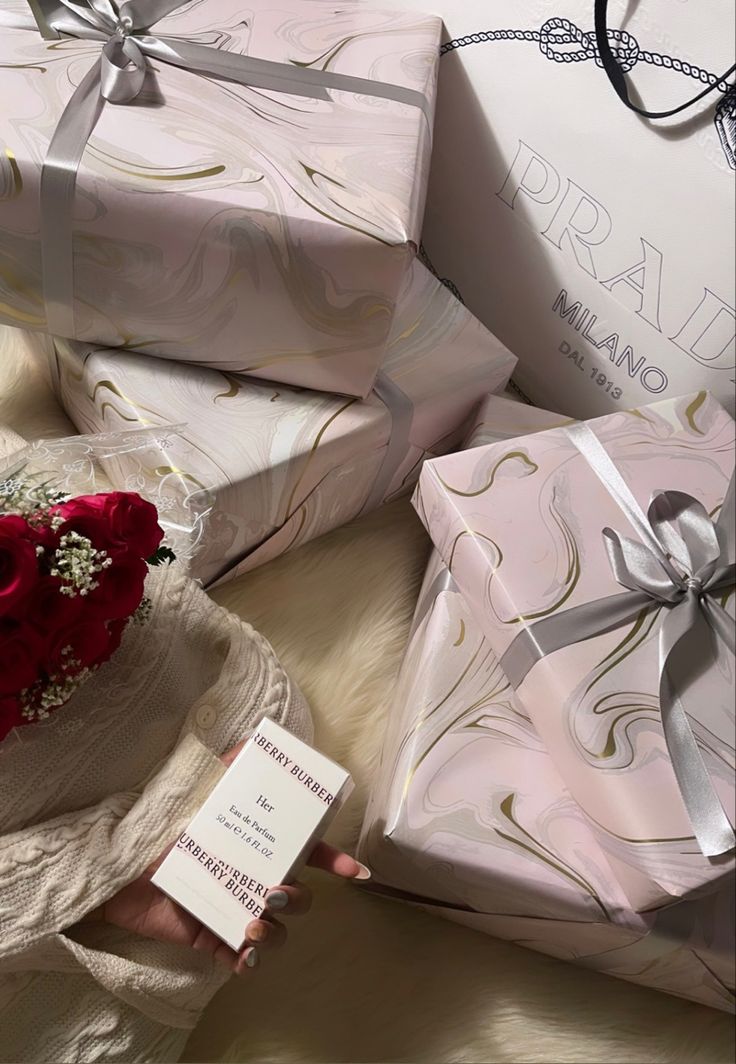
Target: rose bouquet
<point x="72" y="570"/>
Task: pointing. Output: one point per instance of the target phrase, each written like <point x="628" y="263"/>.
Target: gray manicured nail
<point x="364" y="873"/>
<point x="251" y="957"/>
<point x="277" y="900"/>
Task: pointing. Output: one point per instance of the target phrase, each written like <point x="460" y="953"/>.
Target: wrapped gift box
<point x="470" y="818"/>
<point x="245" y="227"/>
<point x="520" y="525"/>
<point x="286" y="465"/>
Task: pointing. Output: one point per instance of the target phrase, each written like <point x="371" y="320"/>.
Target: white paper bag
<point x="598" y="245"/>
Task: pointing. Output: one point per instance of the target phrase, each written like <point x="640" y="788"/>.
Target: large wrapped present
<point x="470" y="818"/>
<point x="598" y="245"/>
<point x="285" y="465"/>
<point x="239" y="185"/>
<point x="598" y="561"/>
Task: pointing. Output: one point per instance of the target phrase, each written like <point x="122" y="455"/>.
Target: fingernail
<point x="364" y="873"/>
<point x="251" y="957"/>
<point x="257" y="932"/>
<point x="277" y="899"/>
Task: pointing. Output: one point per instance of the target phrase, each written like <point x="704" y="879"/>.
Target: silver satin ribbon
<point x="401" y="409"/>
<point x="442" y="582"/>
<point x="681" y="564"/>
<point x="117" y="76"/>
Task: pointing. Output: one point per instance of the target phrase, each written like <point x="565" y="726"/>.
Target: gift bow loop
<point x="682" y="562"/>
<point x="688" y="560"/>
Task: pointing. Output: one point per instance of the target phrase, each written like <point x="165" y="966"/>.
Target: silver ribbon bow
<point x="682" y="563"/>
<point x="117" y="77"/>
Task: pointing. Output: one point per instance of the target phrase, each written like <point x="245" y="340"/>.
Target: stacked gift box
<point x="282" y="464"/>
<point x="220" y="230"/>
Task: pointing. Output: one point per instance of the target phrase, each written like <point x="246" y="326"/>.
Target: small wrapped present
<point x="598" y="560"/>
<point x="286" y="465"/>
<point x="237" y="185"/>
<point x="470" y="818"/>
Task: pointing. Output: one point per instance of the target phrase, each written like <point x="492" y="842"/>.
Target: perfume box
<point x="254" y="832"/>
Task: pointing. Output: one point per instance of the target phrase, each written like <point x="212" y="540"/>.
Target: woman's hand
<point x="141" y="907"/>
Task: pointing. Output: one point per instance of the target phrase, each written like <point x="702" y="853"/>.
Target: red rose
<point x="120" y="589"/>
<point x="134" y="522"/>
<point x="114" y="521"/>
<point x="18" y="562"/>
<point x="20" y="655"/>
<point x="10" y="716"/>
<point x="84" y="645"/>
<point x="86" y="516"/>
<point x="49" y="610"/>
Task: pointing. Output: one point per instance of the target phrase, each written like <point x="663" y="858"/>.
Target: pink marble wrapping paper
<point x="249" y="230"/>
<point x="287" y="465"/>
<point x="470" y="818"/>
<point x="520" y="527"/>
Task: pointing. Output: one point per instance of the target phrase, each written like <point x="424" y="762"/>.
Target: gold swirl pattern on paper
<point x="474" y="535"/>
<point x="635" y="636"/>
<point x="510" y="457"/>
<point x="109" y="405"/>
<point x="541" y="853"/>
<point x="10" y="176"/>
<point x="569" y="580"/>
<point x="621" y="716"/>
<point x="313" y="449"/>
<point x="167" y="471"/>
<point x="173" y="175"/>
<point x="323" y="61"/>
<point x="20" y="302"/>
<point x="23" y="66"/>
<point x="480" y="662"/>
<point x="691" y="410"/>
<point x="628" y="839"/>
<point x="234" y="386"/>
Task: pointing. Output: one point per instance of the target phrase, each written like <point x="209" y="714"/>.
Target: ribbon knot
<point x="682" y="563"/>
<point x="678" y="551"/>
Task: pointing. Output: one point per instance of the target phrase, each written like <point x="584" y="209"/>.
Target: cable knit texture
<point x="90" y="797"/>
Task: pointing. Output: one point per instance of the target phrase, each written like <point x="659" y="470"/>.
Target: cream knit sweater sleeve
<point x="54" y="873"/>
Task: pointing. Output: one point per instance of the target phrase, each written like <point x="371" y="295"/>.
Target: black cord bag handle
<point x="618" y="79"/>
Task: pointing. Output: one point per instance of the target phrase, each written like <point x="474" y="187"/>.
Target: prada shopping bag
<point x="582" y="194"/>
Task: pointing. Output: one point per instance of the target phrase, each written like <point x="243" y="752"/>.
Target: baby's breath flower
<point x="38" y="701"/>
<point x="143" y="612"/>
<point x="76" y="563"/>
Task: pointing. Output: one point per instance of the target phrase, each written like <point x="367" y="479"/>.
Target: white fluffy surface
<point x="364" y="979"/>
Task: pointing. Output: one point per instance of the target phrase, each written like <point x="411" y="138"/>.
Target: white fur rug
<point x="364" y="979"/>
